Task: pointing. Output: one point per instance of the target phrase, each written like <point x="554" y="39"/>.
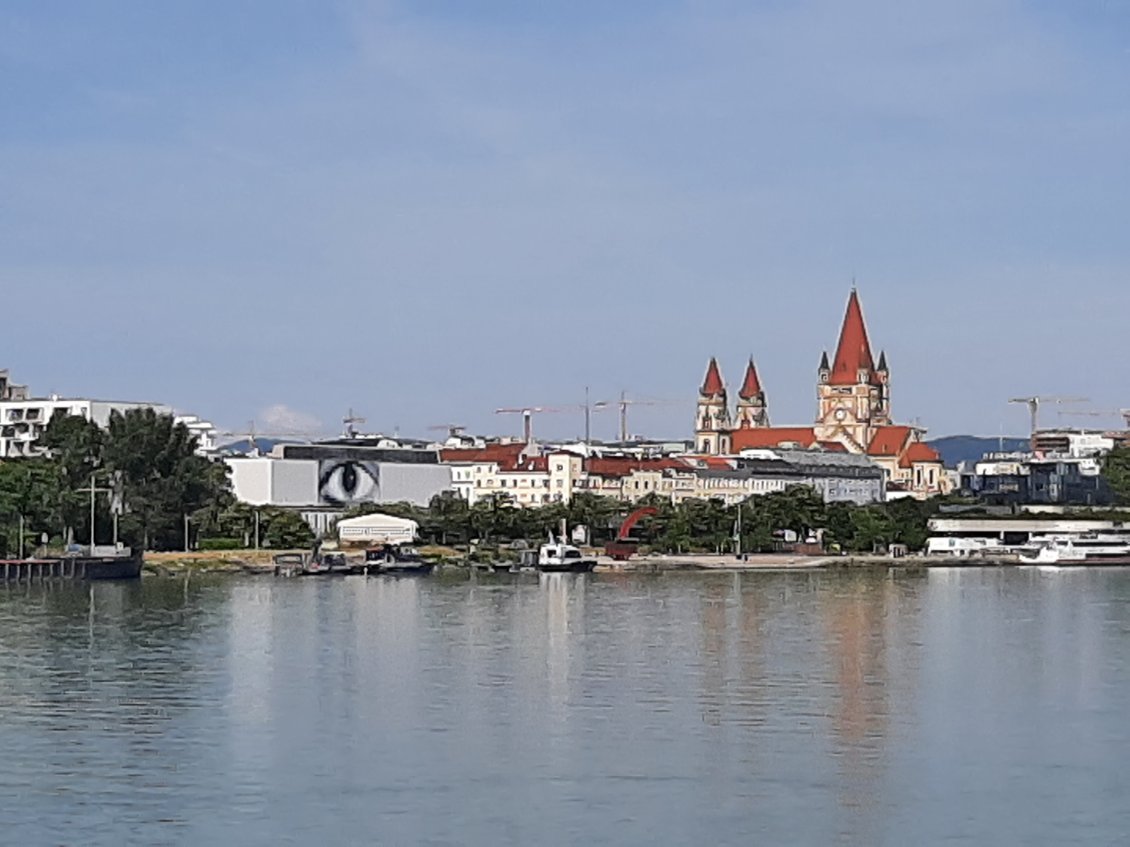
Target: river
<point x="949" y="706"/>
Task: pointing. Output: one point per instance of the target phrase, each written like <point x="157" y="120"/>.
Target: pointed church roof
<point x="853" y="353"/>
<point x="882" y="366"/>
<point x="713" y="382"/>
<point x="824" y="366"/>
<point x="751" y="386"/>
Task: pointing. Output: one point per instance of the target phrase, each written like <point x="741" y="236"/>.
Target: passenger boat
<point x="396" y="559"/>
<point x="1089" y="548"/>
<point x="559" y="557"/>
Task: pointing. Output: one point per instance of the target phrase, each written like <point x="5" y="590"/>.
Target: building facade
<point x="558" y="476"/>
<point x="22" y="421"/>
<point x="853" y="415"/>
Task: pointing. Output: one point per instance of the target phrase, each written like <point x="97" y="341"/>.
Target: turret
<point x="712" y="419"/>
<point x="752" y="408"/>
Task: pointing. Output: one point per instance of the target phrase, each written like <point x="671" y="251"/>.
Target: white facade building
<point x="22" y="422"/>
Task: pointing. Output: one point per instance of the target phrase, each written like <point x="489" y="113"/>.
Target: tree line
<point x="151" y="490"/>
<point x="690" y="526"/>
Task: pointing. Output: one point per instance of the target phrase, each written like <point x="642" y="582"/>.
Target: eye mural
<point x="346" y="482"/>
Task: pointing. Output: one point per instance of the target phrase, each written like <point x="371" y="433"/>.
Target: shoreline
<point x="261" y="562"/>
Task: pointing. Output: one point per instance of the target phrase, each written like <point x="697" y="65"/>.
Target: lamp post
<point x="94" y="490"/>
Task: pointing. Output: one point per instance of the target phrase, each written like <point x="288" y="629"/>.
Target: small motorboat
<point x="396" y="559"/>
<point x="559" y="557"/>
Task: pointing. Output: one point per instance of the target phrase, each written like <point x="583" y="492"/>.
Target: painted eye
<point x="345" y="482"/>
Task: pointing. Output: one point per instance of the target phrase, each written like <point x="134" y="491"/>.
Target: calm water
<point x="970" y="706"/>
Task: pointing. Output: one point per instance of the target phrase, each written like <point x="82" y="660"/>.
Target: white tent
<point x="376" y="528"/>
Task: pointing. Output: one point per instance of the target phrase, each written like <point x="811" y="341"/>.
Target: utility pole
<point x="21" y="555"/>
<point x="739" y="533"/>
<point x="256" y="529"/>
<point x="588" y="417"/>
<point x="94" y="490"/>
<point x="186" y="533"/>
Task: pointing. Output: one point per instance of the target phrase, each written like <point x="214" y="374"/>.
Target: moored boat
<point x="559" y="557"/>
<point x="1085" y="549"/>
<point x="396" y="559"/>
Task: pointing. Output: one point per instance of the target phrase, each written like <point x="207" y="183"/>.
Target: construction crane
<point x="625" y="402"/>
<point x="588" y="407"/>
<point x="348" y="421"/>
<point x="1033" y="404"/>
<point x="453" y="430"/>
<point x="527" y="413"/>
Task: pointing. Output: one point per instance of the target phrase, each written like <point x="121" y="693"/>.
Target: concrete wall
<point x="293" y="482"/>
<point x="251" y="480"/>
<point x="264" y="481"/>
<point x="416" y="484"/>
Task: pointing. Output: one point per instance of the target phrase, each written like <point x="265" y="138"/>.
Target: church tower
<point x="712" y="421"/>
<point x="853" y="392"/>
<point x="752" y="409"/>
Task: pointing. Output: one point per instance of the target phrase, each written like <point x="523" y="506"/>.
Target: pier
<point x="69" y="567"/>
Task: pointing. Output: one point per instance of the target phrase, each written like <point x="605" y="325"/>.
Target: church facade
<point x="853" y="415"/>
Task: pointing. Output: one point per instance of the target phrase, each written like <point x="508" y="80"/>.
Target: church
<point x="853" y="415"/>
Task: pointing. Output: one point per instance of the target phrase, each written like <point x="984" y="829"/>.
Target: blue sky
<point x="281" y="210"/>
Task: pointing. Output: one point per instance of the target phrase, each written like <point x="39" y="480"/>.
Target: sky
<point x="279" y="211"/>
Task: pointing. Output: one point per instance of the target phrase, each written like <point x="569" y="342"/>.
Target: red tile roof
<point x="854" y="351"/>
<point x="919" y="452"/>
<point x="717" y="462"/>
<point x="713" y="382"/>
<point x="506" y="456"/>
<point x="610" y="466"/>
<point x="833" y="446"/>
<point x="889" y="441"/>
<point x="751" y="387"/>
<point x="763" y="438"/>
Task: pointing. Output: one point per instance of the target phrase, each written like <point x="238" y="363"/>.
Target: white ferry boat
<point x="1089" y="548"/>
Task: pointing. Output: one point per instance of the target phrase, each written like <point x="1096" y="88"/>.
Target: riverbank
<point x="262" y="562"/>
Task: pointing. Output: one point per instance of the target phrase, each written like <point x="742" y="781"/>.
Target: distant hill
<point x="243" y="446"/>
<point x="969" y="448"/>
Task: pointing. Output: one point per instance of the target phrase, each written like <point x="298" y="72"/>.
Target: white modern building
<point x="22" y="421"/>
<point x="377" y="529"/>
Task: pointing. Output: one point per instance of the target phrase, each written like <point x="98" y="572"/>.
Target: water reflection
<point x="798" y="707"/>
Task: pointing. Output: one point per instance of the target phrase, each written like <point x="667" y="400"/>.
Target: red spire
<point x="854" y="351"/>
<point x="713" y="382"/>
<point x="752" y="385"/>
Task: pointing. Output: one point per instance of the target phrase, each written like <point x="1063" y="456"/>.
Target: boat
<point x="121" y="566"/>
<point x="1090" y="548"/>
<point x="396" y="559"/>
<point x="306" y="564"/>
<point x="559" y="557"/>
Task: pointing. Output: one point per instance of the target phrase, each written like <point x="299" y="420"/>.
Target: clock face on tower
<point x="840" y="414"/>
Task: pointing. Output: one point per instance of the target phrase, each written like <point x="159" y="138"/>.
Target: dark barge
<point x="70" y="567"/>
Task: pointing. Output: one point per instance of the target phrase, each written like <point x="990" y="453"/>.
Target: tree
<point x="27" y="491"/>
<point x="1116" y="469"/>
<point x="284" y="529"/>
<point x="157" y="476"/>
<point x="600" y="514"/>
<point x="447" y="518"/>
<point x="74" y="447"/>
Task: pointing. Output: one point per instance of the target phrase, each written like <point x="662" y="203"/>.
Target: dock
<point x="70" y="567"/>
